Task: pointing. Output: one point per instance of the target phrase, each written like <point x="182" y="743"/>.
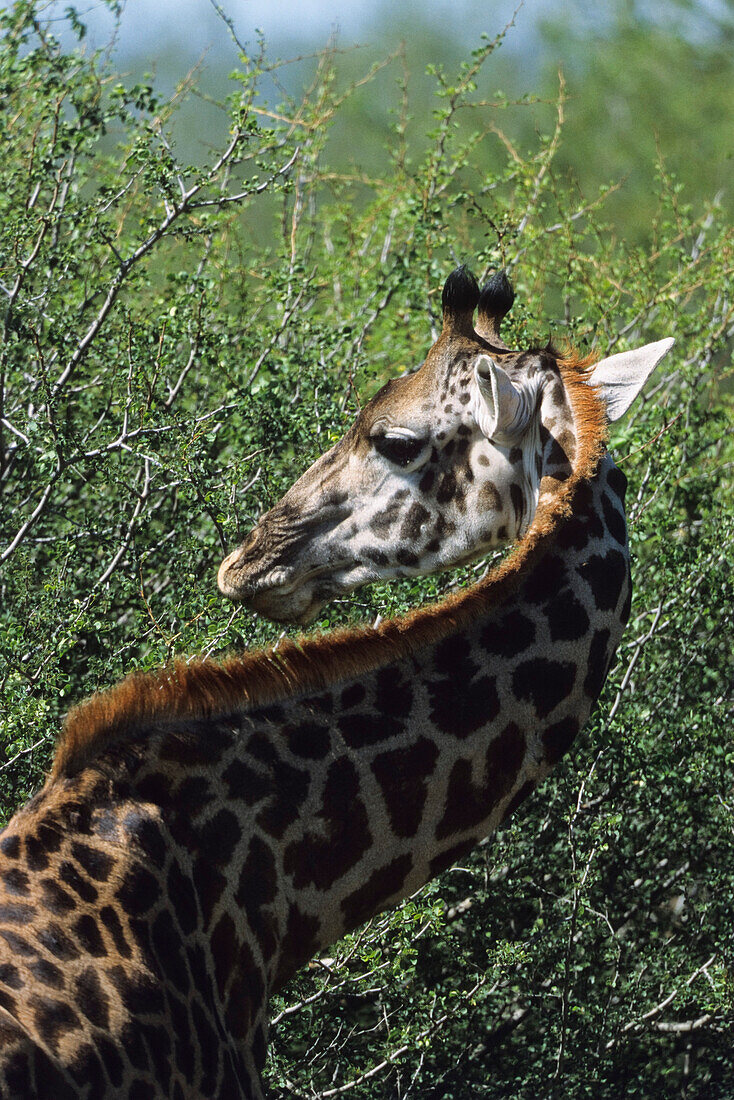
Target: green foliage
<point x="180" y="341"/>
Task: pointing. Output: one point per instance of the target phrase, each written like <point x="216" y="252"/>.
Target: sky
<point x="149" y="25"/>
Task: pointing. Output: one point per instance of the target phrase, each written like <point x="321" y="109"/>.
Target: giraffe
<point x="206" y="829"/>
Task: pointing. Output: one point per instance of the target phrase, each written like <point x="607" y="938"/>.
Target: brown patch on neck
<point x="208" y="689"/>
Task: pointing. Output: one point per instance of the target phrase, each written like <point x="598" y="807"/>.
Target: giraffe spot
<point x="385" y="521"/>
<point x="544" y="683"/>
<point x="106" y="826"/>
<point x="448" y="858"/>
<point x="558" y="738"/>
<point x="138" y="892"/>
<point x="460" y="708"/>
<point x="309" y="740"/>
<point x="597" y="664"/>
<point x="141" y="995"/>
<point x="515" y="455"/>
<point x="584" y="508"/>
<point x="88" y="936"/>
<point x="520" y="795"/>
<point x="55" y="940"/>
<point x="360" y="730"/>
<point x="210" y="884"/>
<point x="147" y="835"/>
<point x="111" y="1060"/>
<point x="141" y="1090"/>
<point x="17" y="913"/>
<point x="10" y="846"/>
<point x="353" y="695"/>
<point x="71" y="877"/>
<point x="47" y="973"/>
<point x="245" y="995"/>
<point x="624" y="611"/>
<point x="482" y="460"/>
<point x="614" y="521"/>
<point x="49" y="834"/>
<point x="87" y="1071"/>
<point x="518" y="502"/>
<point x="546" y="580"/>
<point x="556" y="454"/>
<point x="557" y="394"/>
<point x="402" y="776"/>
<point x="96" y="863"/>
<point x="259" y="1048"/>
<point x="184" y="1051"/>
<point x="219" y="837"/>
<point x="468" y="804"/>
<point x="606" y="577"/>
<point x="340" y="835"/>
<point x="567" y="618"/>
<point x="245" y="784"/>
<point x="52" y="1019"/>
<point x="393" y="693"/>
<point x="426" y="482"/>
<point x="433" y="546"/>
<point x="92" y="1000"/>
<point x="508" y="636"/>
<point x="35" y="854"/>
<point x="288" y="787"/>
<point x="377" y="557"/>
<point x="406" y="557"/>
<point x="155" y="788"/>
<point x="415" y="519"/>
<point x="195" y="752"/>
<point x="49" y="1080"/>
<point x="298" y="944"/>
<point x="225" y="949"/>
<point x="258" y="885"/>
<point x="131" y="1040"/>
<point x="182" y="898"/>
<point x="55" y="899"/>
<point x="567" y="442"/>
<point x="446" y="490"/>
<point x="376" y="893"/>
<point x="617" y="482"/>
<point x="464" y="398"/>
<point x="9" y="976"/>
<point x="194" y="793"/>
<point x="166" y="941"/>
<point x="489" y="497"/>
<point x="502" y="533"/>
<point x="573" y="534"/>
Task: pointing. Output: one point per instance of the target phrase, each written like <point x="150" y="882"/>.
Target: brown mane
<point x="200" y="688"/>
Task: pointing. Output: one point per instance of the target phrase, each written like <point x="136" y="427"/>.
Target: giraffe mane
<point x="185" y="690"/>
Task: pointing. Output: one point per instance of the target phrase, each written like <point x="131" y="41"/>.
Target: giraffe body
<point x="205" y="831"/>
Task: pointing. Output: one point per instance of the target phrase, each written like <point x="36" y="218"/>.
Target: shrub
<point x="179" y="340"/>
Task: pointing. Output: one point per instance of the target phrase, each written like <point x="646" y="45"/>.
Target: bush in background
<point x="180" y="340"/>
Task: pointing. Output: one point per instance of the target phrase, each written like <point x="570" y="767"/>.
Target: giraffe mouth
<point x="285" y="595"/>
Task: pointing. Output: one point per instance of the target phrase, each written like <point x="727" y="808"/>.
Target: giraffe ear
<point x="619" y="379"/>
<point x="500" y="408"/>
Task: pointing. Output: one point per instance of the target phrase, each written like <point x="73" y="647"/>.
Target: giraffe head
<point x="441" y="466"/>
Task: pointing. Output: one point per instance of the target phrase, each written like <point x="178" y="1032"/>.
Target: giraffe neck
<point x="196" y="864"/>
<point x="389" y="777"/>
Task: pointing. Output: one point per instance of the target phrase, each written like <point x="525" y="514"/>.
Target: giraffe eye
<point x="402" y="450"/>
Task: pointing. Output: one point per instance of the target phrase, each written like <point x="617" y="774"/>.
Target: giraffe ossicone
<point x="207" y="828"/>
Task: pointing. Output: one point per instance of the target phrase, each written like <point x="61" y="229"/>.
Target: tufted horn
<point x="494" y="302"/>
<point x="459" y="300"/>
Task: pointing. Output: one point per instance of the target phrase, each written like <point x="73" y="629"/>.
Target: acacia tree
<point x="180" y="340"/>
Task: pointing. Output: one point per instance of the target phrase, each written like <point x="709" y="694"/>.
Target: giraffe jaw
<point x="289" y="597"/>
